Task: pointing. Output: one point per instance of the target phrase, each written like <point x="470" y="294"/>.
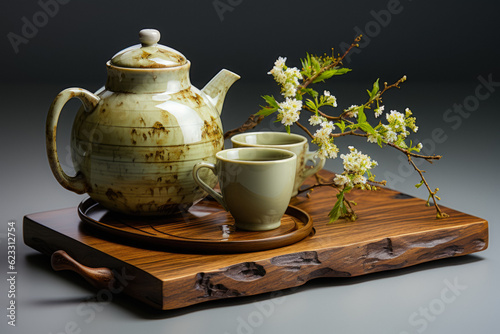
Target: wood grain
<point x="393" y="231"/>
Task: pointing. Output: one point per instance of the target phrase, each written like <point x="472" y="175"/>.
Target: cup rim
<point x="303" y="140"/>
<point x="290" y="154"/>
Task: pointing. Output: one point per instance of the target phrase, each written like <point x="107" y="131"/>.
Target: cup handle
<point x="217" y="196"/>
<point x="75" y="183"/>
<point x="319" y="163"/>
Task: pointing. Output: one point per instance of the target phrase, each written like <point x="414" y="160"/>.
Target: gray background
<point x="443" y="47"/>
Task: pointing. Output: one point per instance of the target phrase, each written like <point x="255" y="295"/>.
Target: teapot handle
<point x="75" y="183"/>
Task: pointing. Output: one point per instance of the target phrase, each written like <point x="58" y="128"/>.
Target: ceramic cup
<point x="292" y="142"/>
<point x="255" y="185"/>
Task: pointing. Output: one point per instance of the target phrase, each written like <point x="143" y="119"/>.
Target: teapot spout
<point x="217" y="88"/>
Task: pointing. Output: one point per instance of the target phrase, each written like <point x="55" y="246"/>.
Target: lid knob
<point x="149" y="37"/>
<point x="148" y="54"/>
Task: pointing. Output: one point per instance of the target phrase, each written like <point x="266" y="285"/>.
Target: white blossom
<point x="289" y="111"/>
<point x="395" y="117"/>
<point x="279" y="64"/>
<point x="330" y="98"/>
<point x="288" y="78"/>
<point x="357" y="162"/>
<point x="356" y="165"/>
<point x="341" y="180"/>
<point x="327" y="150"/>
<point x="397" y="123"/>
<point x="293" y="73"/>
<point x="328" y="125"/>
<point x="352" y="111"/>
<point x="379" y="111"/>
<point x="372" y="138"/>
<point x="390" y="136"/>
<point x="316" y="120"/>
<point x="322" y="135"/>
<point x="358" y="179"/>
<point x="289" y="89"/>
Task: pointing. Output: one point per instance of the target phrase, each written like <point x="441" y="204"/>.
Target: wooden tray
<point x="393" y="231"/>
<point x="205" y="228"/>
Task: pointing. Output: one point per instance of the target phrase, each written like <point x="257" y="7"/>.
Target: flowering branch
<point x="251" y="123"/>
<point x="353" y="121"/>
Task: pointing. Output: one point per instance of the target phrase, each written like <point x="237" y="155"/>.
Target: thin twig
<point x="305" y="130"/>
<point x="426" y="157"/>
<point x="348" y="133"/>
<point x="250" y="123"/>
<point x="440" y="214"/>
<point x="333" y="118"/>
<point x="329" y="184"/>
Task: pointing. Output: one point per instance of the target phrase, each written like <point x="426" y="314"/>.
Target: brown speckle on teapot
<point x="137" y="139"/>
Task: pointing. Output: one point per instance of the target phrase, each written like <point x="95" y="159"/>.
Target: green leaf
<point x="418" y="185"/>
<point x="343" y="70"/>
<point x="341" y="125"/>
<point x="379" y="141"/>
<point x="401" y="142"/>
<point x="374" y="90"/>
<point x="311" y="92"/>
<point x="310" y="103"/>
<point x="304" y="63"/>
<point x="338" y="209"/>
<point x="330" y="73"/>
<point x="366" y="127"/>
<point x="306" y="66"/>
<point x="266" y="111"/>
<point x="271" y="108"/>
<point x="315" y="64"/>
<point x="325" y="75"/>
<point x="271" y="100"/>
<point x="361" y="115"/>
<point x="335" y="212"/>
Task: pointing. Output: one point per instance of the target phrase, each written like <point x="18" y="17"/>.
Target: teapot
<point x="135" y="141"/>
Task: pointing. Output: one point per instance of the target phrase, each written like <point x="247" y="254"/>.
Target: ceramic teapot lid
<point x="148" y="54"/>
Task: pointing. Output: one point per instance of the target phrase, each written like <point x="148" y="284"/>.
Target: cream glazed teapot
<point x="135" y="141"/>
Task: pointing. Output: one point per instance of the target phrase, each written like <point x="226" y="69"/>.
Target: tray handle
<point x="98" y="277"/>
